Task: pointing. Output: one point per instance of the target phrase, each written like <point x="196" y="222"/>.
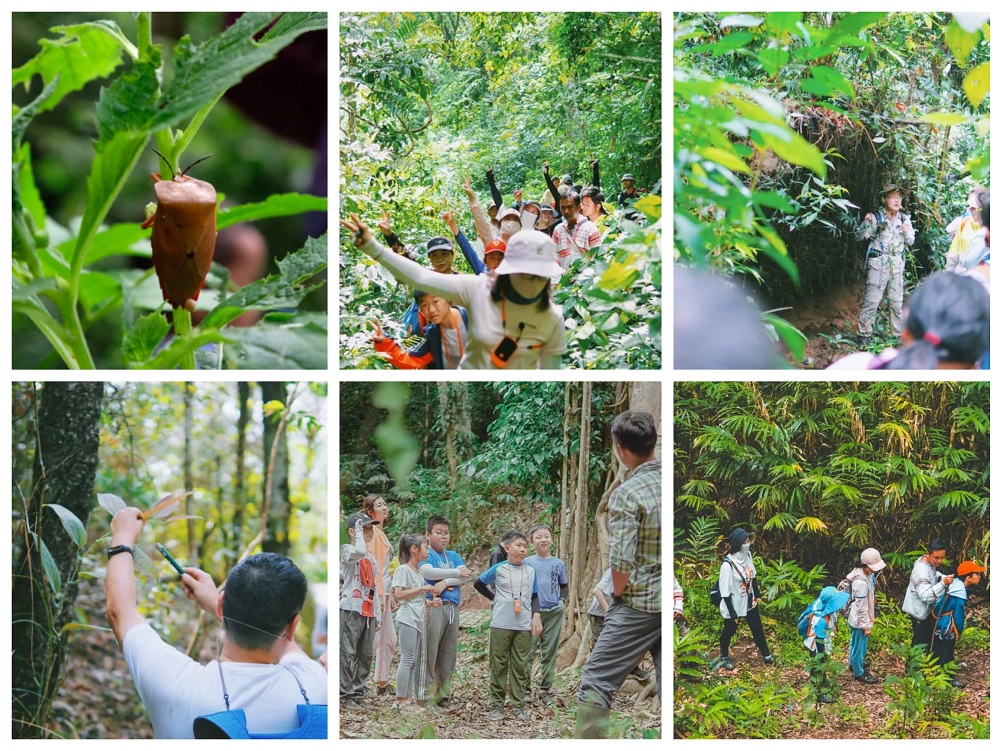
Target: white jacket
<point x="731" y="585"/>
<point x="861" y="603"/>
<point x="924" y="587"/>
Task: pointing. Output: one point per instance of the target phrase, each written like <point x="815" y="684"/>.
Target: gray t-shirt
<point x="410" y="612"/>
<point x="605" y="587"/>
<point x="511" y="583"/>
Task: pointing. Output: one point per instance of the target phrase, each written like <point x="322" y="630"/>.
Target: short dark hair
<point x="263" y="593"/>
<point x="986" y="212"/>
<point x="511" y="535"/>
<point x="436" y="519"/>
<point x="502" y="286"/>
<point x="937" y="543"/>
<point x="636" y="432"/>
<point x="536" y="527"/>
<point x="574" y="195"/>
<point x="948" y="320"/>
<point x="419" y="295"/>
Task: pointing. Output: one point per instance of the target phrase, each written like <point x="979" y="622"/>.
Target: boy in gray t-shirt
<point x="515" y="618"/>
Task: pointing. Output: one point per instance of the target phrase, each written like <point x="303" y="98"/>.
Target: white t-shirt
<point x="410" y="612"/>
<point x="543" y="331"/>
<point x="175" y="689"/>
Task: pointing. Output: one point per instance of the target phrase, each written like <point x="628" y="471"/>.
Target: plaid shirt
<point x="635" y="536"/>
<point x="584" y="237"/>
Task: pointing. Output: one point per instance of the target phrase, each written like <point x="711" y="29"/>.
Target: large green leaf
<point x="49" y="567"/>
<point x="71" y="523"/>
<point x="296" y="342"/>
<point x="144" y="336"/>
<point x="282" y="204"/>
<point x="85" y="52"/>
<point x="977" y="82"/>
<point x="960" y="42"/>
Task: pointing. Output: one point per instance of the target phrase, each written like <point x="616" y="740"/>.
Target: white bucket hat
<point x="530" y="252"/>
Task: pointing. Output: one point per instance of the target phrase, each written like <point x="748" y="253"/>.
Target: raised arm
<point x="464" y="245"/>
<point x="594" y="173"/>
<point x="495" y="193"/>
<point x="485" y="229"/>
<point x="120" y="581"/>
<point x="453" y="287"/>
<point x="551" y="184"/>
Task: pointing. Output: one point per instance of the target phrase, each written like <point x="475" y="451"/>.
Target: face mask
<point x="528" y="220"/>
<point x="510" y="226"/>
<point x="746" y="547"/>
<point x="528" y="286"/>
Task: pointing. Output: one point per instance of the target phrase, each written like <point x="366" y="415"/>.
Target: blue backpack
<point x="232" y="723"/>
<point x="804" y="620"/>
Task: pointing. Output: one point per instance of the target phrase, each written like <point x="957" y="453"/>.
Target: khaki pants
<point x="547" y="645"/>
<point x="885" y="274"/>
<point x="509" y="652"/>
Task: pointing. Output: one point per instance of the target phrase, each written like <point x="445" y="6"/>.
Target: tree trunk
<point x="454" y="413"/>
<point x="276" y="539"/>
<point x="239" y="482"/>
<point x="580" y="509"/>
<point x="189" y="481"/>
<point x="43" y="594"/>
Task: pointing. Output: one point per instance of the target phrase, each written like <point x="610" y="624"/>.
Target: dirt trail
<point x="834" y="313"/>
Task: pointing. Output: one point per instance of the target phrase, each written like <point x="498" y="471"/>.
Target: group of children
<point x="528" y="595"/>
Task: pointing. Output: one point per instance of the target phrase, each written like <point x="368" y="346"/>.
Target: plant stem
<point x="182" y="328"/>
<point x="144" y="34"/>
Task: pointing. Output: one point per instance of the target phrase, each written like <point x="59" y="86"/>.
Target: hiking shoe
<point x="387" y="689"/>
<point x="496" y="714"/>
<point x="866" y="665"/>
<point x="542" y="698"/>
<point x="958" y="684"/>
<point x="352" y="703"/>
<point x="521" y="713"/>
<point x="768" y="659"/>
<point x="727" y="663"/>
<point x="639" y="674"/>
<point x="867" y="678"/>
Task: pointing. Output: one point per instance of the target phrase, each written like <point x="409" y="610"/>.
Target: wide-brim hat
<point x="530" y="252"/>
<point x="890" y="188"/>
<point x="626" y="177"/>
<point x="830" y="601"/>
<point x="738" y="537"/>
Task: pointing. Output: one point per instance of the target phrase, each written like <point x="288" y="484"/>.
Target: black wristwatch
<point x="120" y="549"/>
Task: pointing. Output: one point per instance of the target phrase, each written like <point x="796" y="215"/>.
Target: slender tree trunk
<point x="240" y="476"/>
<point x="277" y="537"/>
<point x="189" y="480"/>
<point x="43" y="594"/>
<point x="454" y="413"/>
<point x="581" y="505"/>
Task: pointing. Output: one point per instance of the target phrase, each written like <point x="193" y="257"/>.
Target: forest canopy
<point x="428" y="99"/>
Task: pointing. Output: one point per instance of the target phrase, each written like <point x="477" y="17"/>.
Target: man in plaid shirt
<point x="633" y="623"/>
<point x="576" y="234"/>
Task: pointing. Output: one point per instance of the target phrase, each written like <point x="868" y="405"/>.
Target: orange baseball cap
<point x="969" y="567"/>
<point x="495" y="246"/>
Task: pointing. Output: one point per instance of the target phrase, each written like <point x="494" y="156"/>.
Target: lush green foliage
<point x="429" y="98"/>
<point x="788" y="123"/>
<point x="72" y="281"/>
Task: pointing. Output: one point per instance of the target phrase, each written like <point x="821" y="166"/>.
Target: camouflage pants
<point x="885" y="274"/>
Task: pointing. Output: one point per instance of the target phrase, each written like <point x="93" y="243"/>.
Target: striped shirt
<point x="635" y="536"/>
<point x="570" y="243"/>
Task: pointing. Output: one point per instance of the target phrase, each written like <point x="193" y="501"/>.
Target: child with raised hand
<point x="409" y="589"/>
<point x="950" y="616"/>
<point x="515" y="619"/>
<point x="551" y="581"/>
<point x="360" y="610"/>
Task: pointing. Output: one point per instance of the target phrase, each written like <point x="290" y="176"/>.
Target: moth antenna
<point x="167" y="162"/>
<point x="197" y="161"/>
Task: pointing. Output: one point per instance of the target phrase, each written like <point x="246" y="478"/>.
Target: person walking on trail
<point x="862" y="581"/>
<point x="949" y="615"/>
<point x="925" y="586"/>
<point x="889" y="232"/>
<point x="818" y="625"/>
<point x="633" y="622"/>
<point x="740" y="596"/>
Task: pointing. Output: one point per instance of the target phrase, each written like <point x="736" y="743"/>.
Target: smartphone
<point x="170" y="559"/>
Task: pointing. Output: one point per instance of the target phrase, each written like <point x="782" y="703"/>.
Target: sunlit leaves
<point x="977" y="83"/>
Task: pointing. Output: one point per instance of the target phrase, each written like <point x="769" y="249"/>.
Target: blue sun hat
<point x="830" y="601"/>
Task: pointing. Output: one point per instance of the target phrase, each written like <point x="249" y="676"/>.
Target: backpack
<point x="232" y="723"/>
<point x="804" y="621"/>
<point x="845" y="586"/>
<point x="715" y="597"/>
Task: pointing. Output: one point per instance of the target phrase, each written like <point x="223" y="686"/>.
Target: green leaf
<point x="49" y="567"/>
<point x="740" y="19"/>
<point x="774" y="200"/>
<point x="773" y="59"/>
<point x="791" y="336"/>
<point x="99" y="291"/>
<point x="834" y="79"/>
<point x="736" y="41"/>
<point x="33" y="288"/>
<point x="85" y="52"/>
<point x="977" y="82"/>
<point x="850" y="24"/>
<point x="783" y="21"/>
<point x="82" y="627"/>
<point x="71" y="523"/>
<point x="283" y="290"/>
<point x="727" y="159"/>
<point x="618" y="276"/>
<point x="202" y="74"/>
<point x="796" y="149"/>
<point x="298" y="342"/>
<point x="111" y="503"/>
<point x="144" y="336"/>
<point x="27" y="191"/>
<point x="127" y="239"/>
<point x="283" y="204"/>
<point x="25" y="115"/>
<point x="943" y="118"/>
<point x="650" y="206"/>
<point x="427" y="731"/>
<point x="960" y="42"/>
<point x="130" y="103"/>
